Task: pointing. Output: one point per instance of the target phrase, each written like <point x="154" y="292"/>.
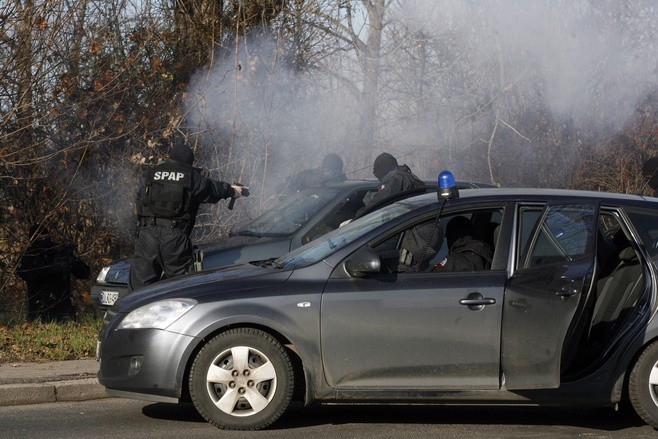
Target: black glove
<point x="243" y="192"/>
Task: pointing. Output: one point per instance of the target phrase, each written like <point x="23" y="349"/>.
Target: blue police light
<point x="447" y="187"/>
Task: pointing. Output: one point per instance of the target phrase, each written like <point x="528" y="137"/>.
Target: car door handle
<point x="483" y="301"/>
<point x="476" y="301"/>
<point x="566" y="293"/>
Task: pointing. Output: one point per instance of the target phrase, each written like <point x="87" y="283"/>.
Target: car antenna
<point x="446" y="190"/>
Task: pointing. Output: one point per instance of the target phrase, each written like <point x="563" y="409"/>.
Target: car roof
<point x="543" y="194"/>
<point x="351" y="184"/>
<point x="341" y="190"/>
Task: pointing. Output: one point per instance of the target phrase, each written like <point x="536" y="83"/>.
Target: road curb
<point x="57" y="391"/>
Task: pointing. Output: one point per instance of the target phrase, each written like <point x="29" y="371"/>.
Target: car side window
<point x="423" y="247"/>
<point x="369" y="195"/>
<point x="408" y="250"/>
<point x="646" y="224"/>
<point x="470" y="241"/>
<point x="557" y="234"/>
<point x="343" y="212"/>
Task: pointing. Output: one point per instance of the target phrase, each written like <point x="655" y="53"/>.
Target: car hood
<point x="119" y="272"/>
<point x="228" y="241"/>
<point x="242" y="249"/>
<point x="229" y="280"/>
<point x="223" y="252"/>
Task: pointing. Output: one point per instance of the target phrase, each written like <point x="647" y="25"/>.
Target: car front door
<point x="424" y="331"/>
<point x="413" y="331"/>
<point x="554" y="265"/>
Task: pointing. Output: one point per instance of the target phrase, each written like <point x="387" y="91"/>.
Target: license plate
<point x="108" y="297"/>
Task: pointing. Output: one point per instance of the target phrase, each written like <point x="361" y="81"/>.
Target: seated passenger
<point x="465" y="253"/>
<point x="419" y="245"/>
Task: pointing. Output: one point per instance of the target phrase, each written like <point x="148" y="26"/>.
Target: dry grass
<point x="37" y="342"/>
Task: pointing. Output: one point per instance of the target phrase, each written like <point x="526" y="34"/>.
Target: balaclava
<point x="182" y="153"/>
<point x="384" y="163"/>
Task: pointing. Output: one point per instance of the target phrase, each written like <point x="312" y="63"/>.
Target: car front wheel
<point x="241" y="379"/>
<point x="643" y="385"/>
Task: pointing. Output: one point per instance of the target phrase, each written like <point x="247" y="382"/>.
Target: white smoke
<point x="589" y="61"/>
<point x="596" y="59"/>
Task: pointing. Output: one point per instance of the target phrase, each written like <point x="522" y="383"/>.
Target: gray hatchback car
<point x="565" y="314"/>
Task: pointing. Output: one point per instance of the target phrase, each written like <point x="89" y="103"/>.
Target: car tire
<point x="643" y="385"/>
<point x="242" y="379"/>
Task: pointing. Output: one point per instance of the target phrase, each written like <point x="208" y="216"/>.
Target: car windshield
<point x="289" y="216"/>
<point x="322" y="247"/>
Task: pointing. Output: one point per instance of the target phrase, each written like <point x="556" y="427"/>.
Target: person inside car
<point x="465" y="253"/>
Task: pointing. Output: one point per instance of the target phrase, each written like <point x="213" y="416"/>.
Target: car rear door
<point x="555" y="256"/>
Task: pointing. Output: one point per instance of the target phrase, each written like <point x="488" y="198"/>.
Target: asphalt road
<point x="118" y="418"/>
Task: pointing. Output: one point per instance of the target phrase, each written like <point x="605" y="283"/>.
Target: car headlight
<point x="102" y="275"/>
<point x="157" y="315"/>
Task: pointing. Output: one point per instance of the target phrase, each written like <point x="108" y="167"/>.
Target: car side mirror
<point x="363" y="262"/>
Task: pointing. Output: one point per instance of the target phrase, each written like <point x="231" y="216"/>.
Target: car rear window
<point x="563" y="233"/>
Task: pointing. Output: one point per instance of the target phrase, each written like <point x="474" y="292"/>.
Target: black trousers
<point x="160" y="252"/>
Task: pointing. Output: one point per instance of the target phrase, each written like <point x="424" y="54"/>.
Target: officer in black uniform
<point x="394" y="179"/>
<point x="167" y="204"/>
<point x="331" y="171"/>
<point x="465" y="253"/>
<point x="46" y="267"/>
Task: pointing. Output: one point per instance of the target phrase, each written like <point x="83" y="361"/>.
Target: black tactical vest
<point x="166" y="192"/>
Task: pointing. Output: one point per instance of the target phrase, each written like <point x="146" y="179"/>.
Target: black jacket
<point x="467" y="254"/>
<point x="46" y="267"/>
<point x="199" y="189"/>
<point x="399" y="179"/>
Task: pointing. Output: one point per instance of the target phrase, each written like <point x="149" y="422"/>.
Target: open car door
<point x="554" y="265"/>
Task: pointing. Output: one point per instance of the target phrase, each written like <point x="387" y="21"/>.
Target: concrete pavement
<point x="35" y="383"/>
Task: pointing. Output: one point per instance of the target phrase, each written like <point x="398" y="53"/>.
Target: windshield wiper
<point x="265" y="263"/>
<point x="250" y="233"/>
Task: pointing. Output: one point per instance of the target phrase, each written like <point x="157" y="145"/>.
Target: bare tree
<point x="92" y="91"/>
